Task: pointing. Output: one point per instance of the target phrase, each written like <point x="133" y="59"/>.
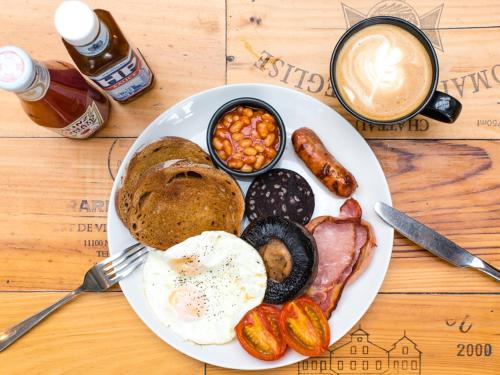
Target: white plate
<point x="189" y="119"/>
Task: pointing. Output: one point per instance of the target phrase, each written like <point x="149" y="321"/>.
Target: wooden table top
<point x="429" y="317"/>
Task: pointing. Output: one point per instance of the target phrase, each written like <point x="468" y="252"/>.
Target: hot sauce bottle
<point x="101" y="52"/>
<point x="53" y="94"/>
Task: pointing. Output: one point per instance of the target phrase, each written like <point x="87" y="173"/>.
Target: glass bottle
<point x="53" y="94"/>
<point x="101" y="52"/>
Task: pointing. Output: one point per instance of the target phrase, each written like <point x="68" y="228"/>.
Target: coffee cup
<point x="385" y="71"/>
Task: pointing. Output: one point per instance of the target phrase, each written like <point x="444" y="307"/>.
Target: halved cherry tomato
<point x="305" y="327"/>
<point x="259" y="334"/>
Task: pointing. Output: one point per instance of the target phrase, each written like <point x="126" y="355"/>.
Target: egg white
<point x="203" y="286"/>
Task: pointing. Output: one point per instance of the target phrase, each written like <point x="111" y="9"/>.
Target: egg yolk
<point x="187" y="266"/>
<point x="188" y="303"/>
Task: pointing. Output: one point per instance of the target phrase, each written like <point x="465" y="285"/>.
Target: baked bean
<point x="262" y="129"/>
<point x="246" y="142"/>
<point x="237" y="136"/>
<point x="221" y="134"/>
<point x="222" y="154"/>
<point x="270" y="152"/>
<point x="246" y="168"/>
<point x="259" y="148"/>
<point x="217" y="144"/>
<point x="259" y="161"/>
<point x="267" y="117"/>
<point x="269" y="140"/>
<point x="249" y="159"/>
<point x="235" y="164"/>
<point x="250" y="151"/>
<point x="246" y="139"/>
<point x="270" y="126"/>
<point x="236" y="127"/>
<point x="248" y="112"/>
<point x="228" y="149"/>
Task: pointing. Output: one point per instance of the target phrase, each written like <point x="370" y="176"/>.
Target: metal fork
<point x="97" y="279"/>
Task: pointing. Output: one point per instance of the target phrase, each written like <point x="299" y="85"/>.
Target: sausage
<point x="324" y="166"/>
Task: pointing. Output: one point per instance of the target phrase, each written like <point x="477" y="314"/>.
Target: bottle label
<point x="84" y="126"/>
<point x="126" y="78"/>
<point x="98" y="45"/>
<point x="40" y="85"/>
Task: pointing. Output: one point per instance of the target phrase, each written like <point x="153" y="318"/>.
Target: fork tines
<point x="121" y="265"/>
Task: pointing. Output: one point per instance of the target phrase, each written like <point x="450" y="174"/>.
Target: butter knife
<point x="432" y="241"/>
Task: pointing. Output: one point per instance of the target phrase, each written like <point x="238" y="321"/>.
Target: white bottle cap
<point x="76" y="22"/>
<point x="17" y="70"/>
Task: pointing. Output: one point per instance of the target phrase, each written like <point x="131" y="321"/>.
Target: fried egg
<point x="202" y="287"/>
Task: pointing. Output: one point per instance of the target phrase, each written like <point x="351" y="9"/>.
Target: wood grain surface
<point x="55" y="191"/>
<point x="433" y="328"/>
<point x="260" y="49"/>
<point x="182" y="41"/>
<point x="99" y="333"/>
<point x="94" y="334"/>
<point x="64" y="232"/>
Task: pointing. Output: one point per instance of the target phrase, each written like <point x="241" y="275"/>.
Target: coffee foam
<point x="383" y="72"/>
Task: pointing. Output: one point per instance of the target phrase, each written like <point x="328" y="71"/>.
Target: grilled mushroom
<point x="289" y="253"/>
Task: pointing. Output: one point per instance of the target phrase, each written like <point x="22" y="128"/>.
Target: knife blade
<point x="432" y="241"/>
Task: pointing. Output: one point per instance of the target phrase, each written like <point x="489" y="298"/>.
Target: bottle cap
<point x="76" y="22"/>
<point x="17" y="70"/>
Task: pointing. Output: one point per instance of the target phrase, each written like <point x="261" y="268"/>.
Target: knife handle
<point x="488" y="269"/>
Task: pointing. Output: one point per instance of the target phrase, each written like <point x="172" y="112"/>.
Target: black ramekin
<point x="253" y="103"/>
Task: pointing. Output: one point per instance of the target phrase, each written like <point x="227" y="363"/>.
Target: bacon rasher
<point x="345" y="247"/>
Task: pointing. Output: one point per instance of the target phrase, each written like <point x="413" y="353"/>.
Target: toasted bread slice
<point x="173" y="202"/>
<point x="164" y="149"/>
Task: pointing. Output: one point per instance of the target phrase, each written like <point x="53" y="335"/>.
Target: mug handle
<point x="442" y="107"/>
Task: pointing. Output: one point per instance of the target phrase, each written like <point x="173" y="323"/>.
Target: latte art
<point x="383" y="72"/>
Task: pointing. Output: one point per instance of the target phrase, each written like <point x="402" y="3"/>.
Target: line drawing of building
<point x="361" y="356"/>
<point x="404" y="357"/>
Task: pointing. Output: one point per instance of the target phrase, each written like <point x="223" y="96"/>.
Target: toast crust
<point x="172" y="202"/>
<point x="164" y="149"/>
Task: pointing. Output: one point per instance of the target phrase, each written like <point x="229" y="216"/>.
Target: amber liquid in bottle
<point x="118" y="50"/>
<point x="67" y="98"/>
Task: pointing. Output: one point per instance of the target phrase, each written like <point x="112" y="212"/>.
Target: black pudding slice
<point x="280" y="192"/>
<point x="289" y="253"/>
